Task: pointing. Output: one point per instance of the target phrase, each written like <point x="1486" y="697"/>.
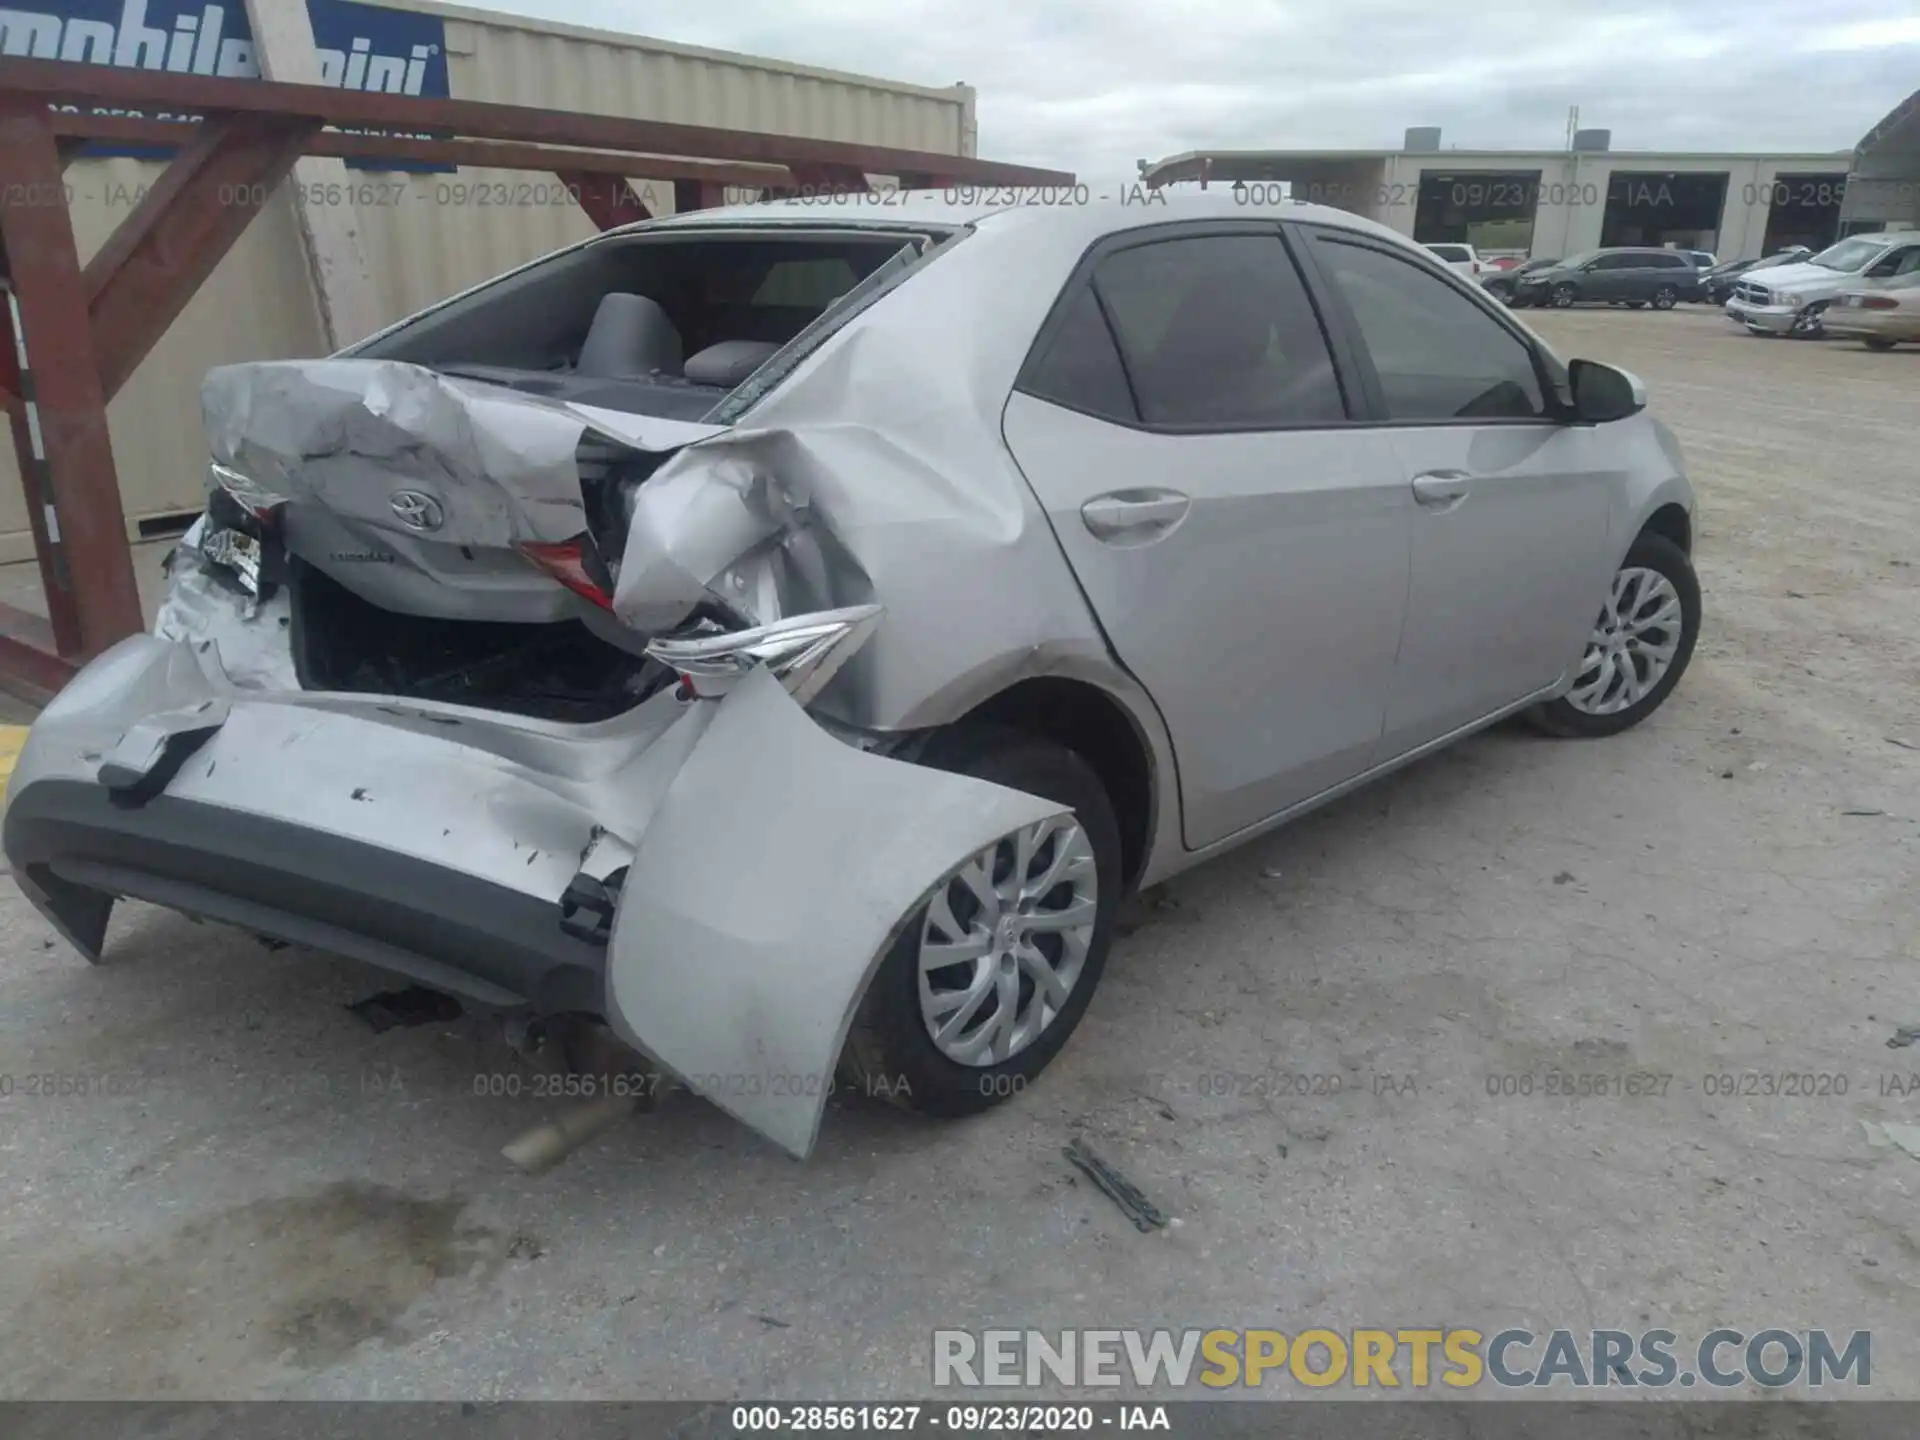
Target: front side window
<point x="1438" y="355"/>
<point x="1216" y="332"/>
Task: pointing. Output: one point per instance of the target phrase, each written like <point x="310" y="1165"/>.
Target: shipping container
<point x="430" y="235"/>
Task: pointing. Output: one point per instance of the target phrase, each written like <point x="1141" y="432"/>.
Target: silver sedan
<point x="781" y="635"/>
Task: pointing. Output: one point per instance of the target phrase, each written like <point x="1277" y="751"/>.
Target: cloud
<point x="1093" y="85"/>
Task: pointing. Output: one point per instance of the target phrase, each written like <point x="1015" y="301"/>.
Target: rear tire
<point x="890" y="1052"/>
<point x="1664" y="297"/>
<point x="1566" y="719"/>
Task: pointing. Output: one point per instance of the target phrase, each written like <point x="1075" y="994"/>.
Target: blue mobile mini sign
<point x="361" y="47"/>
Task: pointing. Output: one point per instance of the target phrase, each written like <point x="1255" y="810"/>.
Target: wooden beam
<point x="87" y="533"/>
<point x="491" y="154"/>
<point x="60" y="81"/>
<point x="608" y="200"/>
<point x="162" y="252"/>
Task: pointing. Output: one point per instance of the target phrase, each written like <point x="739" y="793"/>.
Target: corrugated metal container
<point x="429" y="236"/>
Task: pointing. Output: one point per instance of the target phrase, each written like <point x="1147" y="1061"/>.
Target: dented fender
<point x="746" y="937"/>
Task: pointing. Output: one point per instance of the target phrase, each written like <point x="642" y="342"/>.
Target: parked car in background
<point x="1621" y="276"/>
<point x="1793" y="299"/>
<point x="1461" y="259"/>
<point x="1716" y="285"/>
<point x="1880" y="314"/>
<point x="1701" y="259"/>
<point x="1501" y="283"/>
<point x="1144" y="532"/>
<point x="1505" y="262"/>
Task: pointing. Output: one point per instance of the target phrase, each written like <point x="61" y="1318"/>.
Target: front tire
<point x="1809" y="324"/>
<point x="1563" y="297"/>
<point x="1640" y="646"/>
<point x="955" y="1038"/>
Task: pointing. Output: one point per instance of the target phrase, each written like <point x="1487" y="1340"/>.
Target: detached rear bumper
<point x="761" y="866"/>
<point x="431" y="842"/>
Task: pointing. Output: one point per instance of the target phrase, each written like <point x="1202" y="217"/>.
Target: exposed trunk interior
<point x="551" y="672"/>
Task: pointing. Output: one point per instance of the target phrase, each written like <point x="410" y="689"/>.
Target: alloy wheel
<point x="1633" y="643"/>
<point x="1563" y="296"/>
<point x="1005" y="940"/>
<point x="1808" y="324"/>
<point x="1663" y="298"/>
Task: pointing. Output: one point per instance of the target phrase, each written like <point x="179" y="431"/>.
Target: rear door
<point x="1245" y="547"/>
<point x="1508" y="504"/>
<point x="1608" y="277"/>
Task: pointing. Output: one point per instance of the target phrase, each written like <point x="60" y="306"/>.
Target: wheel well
<point x="1092" y="723"/>
<point x="1671" y="522"/>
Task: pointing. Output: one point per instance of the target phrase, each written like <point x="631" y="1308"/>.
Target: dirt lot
<point x="272" y="1200"/>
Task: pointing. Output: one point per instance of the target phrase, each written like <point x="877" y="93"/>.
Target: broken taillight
<point x="253" y="497"/>
<point x="803" y="651"/>
<point x="572" y="564"/>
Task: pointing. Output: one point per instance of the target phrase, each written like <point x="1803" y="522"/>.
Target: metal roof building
<point x="1551" y="203"/>
<point x="1884" y="186"/>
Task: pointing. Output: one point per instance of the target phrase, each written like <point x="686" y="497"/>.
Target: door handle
<point x="1135" y="516"/>
<point x="1441" y="489"/>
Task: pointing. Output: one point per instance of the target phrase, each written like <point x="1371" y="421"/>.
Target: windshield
<point x="784" y="361"/>
<point x="1849" y="255"/>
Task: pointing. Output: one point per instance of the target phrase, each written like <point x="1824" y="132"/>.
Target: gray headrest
<point x="630" y="336"/>
<point x="729" y="362"/>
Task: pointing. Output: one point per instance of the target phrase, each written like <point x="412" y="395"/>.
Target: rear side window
<point x="1081" y="368"/>
<point x="1438" y="355"/>
<point x="1672" y="262"/>
<point x="1449" y="252"/>
<point x="1216" y="332"/>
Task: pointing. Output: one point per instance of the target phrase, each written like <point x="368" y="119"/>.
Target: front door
<point x="1509" y="507"/>
<point x="1243" y="545"/>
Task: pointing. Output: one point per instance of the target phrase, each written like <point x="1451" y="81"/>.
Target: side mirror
<point x="1602" y="392"/>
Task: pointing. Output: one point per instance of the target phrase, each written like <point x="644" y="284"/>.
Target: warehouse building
<point x="1883" y="190"/>
<point x="1552" y="203"/>
<point x="426" y="232"/>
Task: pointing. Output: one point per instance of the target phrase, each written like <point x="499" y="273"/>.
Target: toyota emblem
<point x="417" y="510"/>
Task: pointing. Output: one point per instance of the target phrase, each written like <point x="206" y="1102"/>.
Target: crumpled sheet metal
<point x="874" y="475"/>
<point x="346" y="434"/>
<point x="245" y="638"/>
<point x="744" y="939"/>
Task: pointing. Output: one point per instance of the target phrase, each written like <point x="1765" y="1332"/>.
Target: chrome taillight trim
<point x="803" y="651"/>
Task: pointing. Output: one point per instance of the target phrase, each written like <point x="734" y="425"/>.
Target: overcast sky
<point x="1093" y="85"/>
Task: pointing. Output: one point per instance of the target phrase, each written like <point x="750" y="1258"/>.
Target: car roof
<point x="1095" y="212"/>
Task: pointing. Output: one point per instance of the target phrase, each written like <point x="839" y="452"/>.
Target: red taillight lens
<point x="567" y="562"/>
<point x="1879" y="302"/>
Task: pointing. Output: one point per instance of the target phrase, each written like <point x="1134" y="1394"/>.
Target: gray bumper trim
<point x="70" y="844"/>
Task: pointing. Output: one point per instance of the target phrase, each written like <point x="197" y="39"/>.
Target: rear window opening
<point x="546" y="671"/>
<point x="659" y="324"/>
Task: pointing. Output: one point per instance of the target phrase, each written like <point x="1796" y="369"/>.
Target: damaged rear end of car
<point x="490" y="664"/>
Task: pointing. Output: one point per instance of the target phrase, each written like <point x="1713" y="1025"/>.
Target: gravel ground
<point x="271" y="1200"/>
